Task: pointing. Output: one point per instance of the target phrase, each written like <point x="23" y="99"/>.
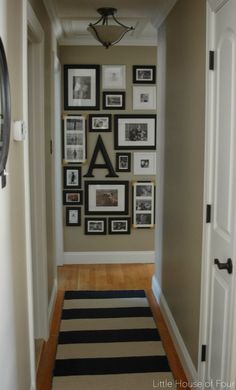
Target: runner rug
<point x="108" y="340"/>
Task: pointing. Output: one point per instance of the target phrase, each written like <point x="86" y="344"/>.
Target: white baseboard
<point x="109" y="257"/>
<point x="52" y="302"/>
<point x="180" y="346"/>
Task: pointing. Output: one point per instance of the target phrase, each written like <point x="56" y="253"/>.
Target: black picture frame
<point x="135" y="132"/>
<point x="72" y="177"/>
<point x="72" y="197"/>
<point x="112" y="94"/>
<point x="144" y="74"/>
<point x="75" y="98"/>
<point x="95" y="222"/>
<point x="124" y="166"/>
<point x="119" y="229"/>
<point x="143" y="203"/>
<point x="73" y="220"/>
<point x="100" y="127"/>
<point x="106" y="197"/>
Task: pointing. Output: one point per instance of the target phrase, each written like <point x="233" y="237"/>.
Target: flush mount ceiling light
<point x="108" y="34"/>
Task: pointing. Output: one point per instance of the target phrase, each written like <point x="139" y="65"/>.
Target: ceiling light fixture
<point x="108" y="34"/>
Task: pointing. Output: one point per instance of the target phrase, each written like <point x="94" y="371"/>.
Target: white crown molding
<point x="215" y="5"/>
<point x="163" y="12"/>
<point x="109" y="257"/>
<point x="87" y="41"/>
<point x="53" y="17"/>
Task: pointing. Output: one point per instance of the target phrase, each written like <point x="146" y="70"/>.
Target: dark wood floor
<point x="103" y="277"/>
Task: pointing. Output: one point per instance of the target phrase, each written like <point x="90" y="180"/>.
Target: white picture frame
<point x="74" y="139"/>
<point x="143" y="204"/>
<point x="114" y="77"/>
<point x="144" y="163"/>
<point x="144" y="97"/>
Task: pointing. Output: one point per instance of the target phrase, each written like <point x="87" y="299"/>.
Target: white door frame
<point x="212" y="7"/>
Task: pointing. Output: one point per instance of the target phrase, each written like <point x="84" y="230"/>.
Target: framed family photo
<point x="123" y="162"/>
<point x="71" y="197"/>
<point x="81" y="87"/>
<point x="135" y="132"/>
<point x="99" y="122"/>
<point x="113" y="76"/>
<point x="74" y="139"/>
<point x="144" y="163"/>
<point x="144" y="74"/>
<point x="114" y="100"/>
<point x="73" y="216"/>
<point x="72" y="177"/>
<point x="143" y="204"/>
<point x="106" y="197"/>
<point x="96" y="226"/>
<point x="144" y="97"/>
<point x="119" y="225"/>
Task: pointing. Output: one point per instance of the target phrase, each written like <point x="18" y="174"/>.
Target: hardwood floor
<point x="104" y="277"/>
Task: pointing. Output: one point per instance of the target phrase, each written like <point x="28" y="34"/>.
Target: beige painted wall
<point x="180" y="273"/>
<point x="74" y="238"/>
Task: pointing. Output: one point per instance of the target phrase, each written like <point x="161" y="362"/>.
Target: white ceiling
<point x="72" y="17"/>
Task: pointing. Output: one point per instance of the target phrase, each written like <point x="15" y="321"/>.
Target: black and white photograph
<point x="95" y="226"/>
<point x="114" y="100"/>
<point x="72" y="197"/>
<point x="119" y="225"/>
<point x="123" y="162"/>
<point x="144" y="163"/>
<point x="135" y="132"/>
<point x="144" y="74"/>
<point x="74" y="139"/>
<point x="72" y="177"/>
<point x="81" y="87"/>
<point x="113" y="76"/>
<point x="143" y="204"/>
<point x="144" y="98"/>
<point x="106" y="197"/>
<point x="99" y="122"/>
<point x="73" y="216"/>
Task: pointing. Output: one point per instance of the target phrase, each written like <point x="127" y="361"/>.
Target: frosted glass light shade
<point x="108" y="35"/>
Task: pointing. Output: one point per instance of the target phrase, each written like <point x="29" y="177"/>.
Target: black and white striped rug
<point x="108" y="340"/>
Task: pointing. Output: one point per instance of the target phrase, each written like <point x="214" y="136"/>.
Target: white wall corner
<point x="109" y="257"/>
<point x="163" y="12"/>
<point x="52" y="302"/>
<point x="177" y="339"/>
<point x="215" y="5"/>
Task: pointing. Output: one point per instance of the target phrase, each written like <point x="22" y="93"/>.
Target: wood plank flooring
<point x="104" y="277"/>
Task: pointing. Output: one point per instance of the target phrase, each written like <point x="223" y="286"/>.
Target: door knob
<point x="227" y="266"/>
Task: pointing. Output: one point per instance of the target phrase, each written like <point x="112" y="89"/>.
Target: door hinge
<point x="208" y="213"/>
<point x="211" y="60"/>
<point x="203" y="354"/>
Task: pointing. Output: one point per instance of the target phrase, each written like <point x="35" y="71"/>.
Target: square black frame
<point x="118" y="155"/>
<point x="104" y="95"/>
<point x="94" y="130"/>
<point x="96" y="106"/>
<point x="68" y="223"/>
<point x="144" y="67"/>
<point x="80" y="192"/>
<point x="73" y="168"/>
<point x="87" y="232"/>
<point x="108" y="212"/>
<point x="110" y="220"/>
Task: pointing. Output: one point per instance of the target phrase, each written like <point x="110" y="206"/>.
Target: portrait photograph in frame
<point x="100" y="122"/>
<point x="113" y="76"/>
<point x="95" y="226"/>
<point x="119" y="225"/>
<point x="73" y="197"/>
<point x="113" y="100"/>
<point x="73" y="216"/>
<point x="144" y="97"/>
<point x="74" y="139"/>
<point x="135" y="132"/>
<point x="144" y="74"/>
<point x="106" y="197"/>
<point x="123" y="162"/>
<point x="72" y="177"/>
<point x="81" y="87"/>
<point x="144" y="163"/>
<point x="143" y="204"/>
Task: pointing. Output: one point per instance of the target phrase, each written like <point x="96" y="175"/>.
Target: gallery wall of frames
<point x="109" y="190"/>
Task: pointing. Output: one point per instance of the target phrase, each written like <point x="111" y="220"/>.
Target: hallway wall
<point x="179" y="275"/>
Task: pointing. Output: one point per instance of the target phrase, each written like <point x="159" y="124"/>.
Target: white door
<point x="222" y="230"/>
